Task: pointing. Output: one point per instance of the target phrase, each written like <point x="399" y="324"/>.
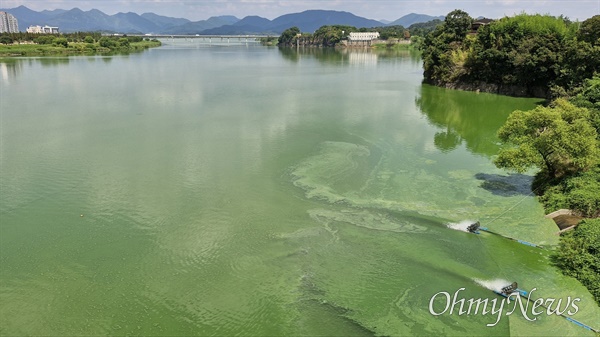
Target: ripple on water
<point x="366" y="219"/>
<point x="321" y="175"/>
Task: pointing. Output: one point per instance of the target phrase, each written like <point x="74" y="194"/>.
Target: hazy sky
<point x="372" y="9"/>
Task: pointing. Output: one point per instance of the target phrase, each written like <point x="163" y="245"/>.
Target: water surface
<point x="233" y="189"/>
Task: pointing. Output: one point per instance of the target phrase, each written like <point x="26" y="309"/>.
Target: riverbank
<point x="73" y="48"/>
<point x="392" y="46"/>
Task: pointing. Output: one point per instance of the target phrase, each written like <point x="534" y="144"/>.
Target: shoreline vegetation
<point x="24" y="44"/>
<point x="390" y="37"/>
<point x="336" y="36"/>
<point x="550" y="58"/>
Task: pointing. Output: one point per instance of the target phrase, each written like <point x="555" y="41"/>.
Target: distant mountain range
<point x="131" y="23"/>
<point x="413" y="18"/>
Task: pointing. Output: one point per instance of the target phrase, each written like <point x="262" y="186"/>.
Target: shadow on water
<point x="506" y="186"/>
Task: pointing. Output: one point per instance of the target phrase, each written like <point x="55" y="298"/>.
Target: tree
<point x="580" y="61"/>
<point x="558" y="139"/>
<point x="329" y="36"/>
<point x="590" y="30"/>
<point x="458" y="24"/>
<point x="288" y="36"/>
<point x="589" y="97"/>
<point x="124" y="42"/>
<point x="6" y="39"/>
<point x="61" y="41"/>
<point x="106" y="42"/>
<point x="389" y="32"/>
<point x="88" y="39"/>
<point x="536" y="60"/>
<point x="444" y="49"/>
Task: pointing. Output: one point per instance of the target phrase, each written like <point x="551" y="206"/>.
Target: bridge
<point x="207" y="37"/>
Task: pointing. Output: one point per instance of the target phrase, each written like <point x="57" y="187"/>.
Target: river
<point x="234" y="189"/>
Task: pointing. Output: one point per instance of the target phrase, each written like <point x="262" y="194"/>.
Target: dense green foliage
<point x="61" y="42"/>
<point x="269" y="40"/>
<point x="560" y="140"/>
<point x="443" y="53"/>
<point x="579" y="255"/>
<point x="391" y="32"/>
<point x="525" y="55"/>
<point x="330" y="36"/>
<point x="6" y="40"/>
<point x="580" y="193"/>
<point x="590" y="30"/>
<point x="588" y="96"/>
<point x="289" y="36"/>
<point x="423" y="28"/>
<point x="326" y="36"/>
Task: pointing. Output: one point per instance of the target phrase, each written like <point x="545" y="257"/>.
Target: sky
<point x="373" y="9"/>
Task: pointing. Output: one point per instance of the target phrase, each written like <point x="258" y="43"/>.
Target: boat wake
<point x="494" y="285"/>
<point x="460" y="226"/>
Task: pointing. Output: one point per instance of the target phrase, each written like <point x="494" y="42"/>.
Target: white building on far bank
<point x="8" y="23"/>
<point x="362" y="39"/>
<point x="42" y="30"/>
<point x="363" y="36"/>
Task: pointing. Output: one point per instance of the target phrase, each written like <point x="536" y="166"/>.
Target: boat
<point x="510" y="289"/>
<point x="475" y="228"/>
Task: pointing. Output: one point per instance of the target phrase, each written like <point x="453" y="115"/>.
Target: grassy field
<point x="74" y="48"/>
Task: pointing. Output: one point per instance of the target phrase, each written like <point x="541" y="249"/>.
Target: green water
<point x="244" y="190"/>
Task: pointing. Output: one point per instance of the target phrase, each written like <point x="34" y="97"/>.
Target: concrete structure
<point x="42" y="30"/>
<point x="361" y="39"/>
<point x="363" y="36"/>
<point x="8" y="23"/>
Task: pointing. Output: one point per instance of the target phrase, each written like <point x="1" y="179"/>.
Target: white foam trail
<point x="461" y="226"/>
<point x="496" y="284"/>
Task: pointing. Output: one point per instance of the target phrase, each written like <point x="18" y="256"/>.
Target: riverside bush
<point x="579" y="255"/>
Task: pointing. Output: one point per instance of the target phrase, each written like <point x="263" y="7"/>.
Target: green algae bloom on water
<point x="244" y="190"/>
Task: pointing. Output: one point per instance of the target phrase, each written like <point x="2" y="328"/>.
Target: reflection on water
<point x="466" y="117"/>
<point x="362" y="58"/>
<point x="53" y="61"/>
<point x="195" y="42"/>
<point x="9" y="70"/>
<point x="343" y="56"/>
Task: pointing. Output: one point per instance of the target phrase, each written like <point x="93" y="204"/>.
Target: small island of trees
<point x="335" y="35"/>
<point x="80" y="43"/>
